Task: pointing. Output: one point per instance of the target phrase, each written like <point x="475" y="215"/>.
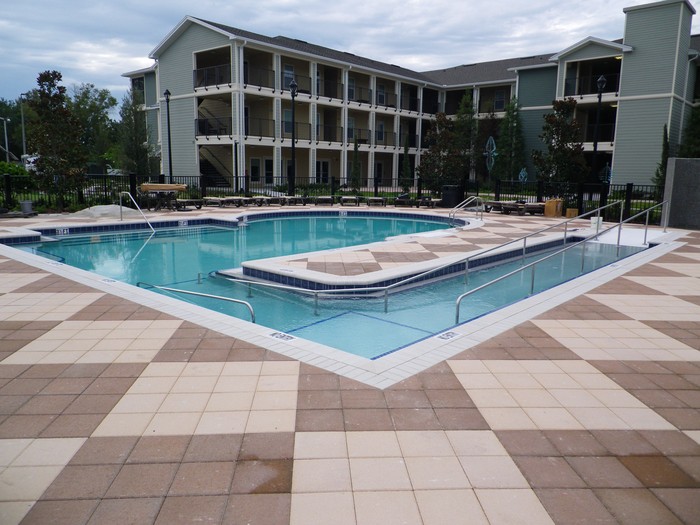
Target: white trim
<point x="621" y="48"/>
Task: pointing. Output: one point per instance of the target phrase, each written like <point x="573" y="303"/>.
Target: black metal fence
<point x="105" y="189"/>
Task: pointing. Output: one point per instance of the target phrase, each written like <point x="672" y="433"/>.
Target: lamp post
<point x="166" y="94"/>
<point x="24" y="137"/>
<point x="601" y="86"/>
<point x="7" y="150"/>
<point x="292" y="173"/>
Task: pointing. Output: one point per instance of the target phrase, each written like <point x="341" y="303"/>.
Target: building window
<point x="351" y="128"/>
<point x="287" y="119"/>
<point x="381" y="95"/>
<point x="254" y="170"/>
<point x="269" y="171"/>
<point x="323" y="170"/>
<point x="380" y="132"/>
<point x="351" y="88"/>
<point x="288" y="76"/>
<point x="499" y="100"/>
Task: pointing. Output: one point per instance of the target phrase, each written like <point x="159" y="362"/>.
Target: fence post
<point x="497" y="190"/>
<point x="161" y="179"/>
<point x="132" y="184"/>
<point x="8" y="189"/>
<point x="580" y="189"/>
<point x="419" y="187"/>
<point x="202" y="185"/>
<point x="332" y="186"/>
<point x="629" y="189"/>
<point x="604" y="192"/>
<point x="376" y="185"/>
<point x="540" y="190"/>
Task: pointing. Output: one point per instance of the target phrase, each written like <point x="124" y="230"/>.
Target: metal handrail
<point x="137" y="207"/>
<point x="177" y="290"/>
<point x="558" y="252"/>
<point x="386" y="289"/>
<point x="524" y="238"/>
<point x="464" y="204"/>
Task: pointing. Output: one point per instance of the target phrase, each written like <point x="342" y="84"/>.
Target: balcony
<point x="360" y="94"/>
<point x="212" y="76"/>
<point x="329" y="134"/>
<point x="386" y="99"/>
<point x="588" y="85"/>
<point x="302" y="130"/>
<point x="262" y="78"/>
<point x="213" y="126"/>
<point x="410" y="103"/>
<point x="362" y="135"/>
<point x="384" y="138"/>
<point x="259" y="127"/>
<point x="303" y="83"/>
<point x="330" y="89"/>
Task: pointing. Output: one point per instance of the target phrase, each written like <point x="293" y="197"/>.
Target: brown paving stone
<point x="325" y="381"/>
<point x="104" y="450"/>
<point x="271" y="445"/>
<point x="159" y="449"/>
<point x="603" y="472"/>
<point x="688" y="464"/>
<point x="90" y="370"/>
<point x="456" y="398"/>
<point x="658" y="399"/>
<point x="319" y="420"/>
<point x="82" y="482"/>
<point x="214" y="447"/>
<point x="93" y="404"/>
<point x="574" y="506"/>
<point x="110" y="385"/>
<point x="202" y="479"/>
<point x="575" y="443"/>
<point x="30" y="386"/>
<point x="461" y="419"/>
<point x="68" y="385"/>
<point x="684" y="503"/>
<point x="46" y="404"/>
<point x="548" y="472"/>
<point x="363" y="399"/>
<point x="126" y="511"/>
<point x="406" y="399"/>
<point x="73" y="425"/>
<point x="367" y="419"/>
<point x="62" y="512"/>
<point x="319" y="399"/>
<point x="526" y="443"/>
<point x="123" y="370"/>
<point x="415" y="419"/>
<point x="44" y="371"/>
<point x="624" y="442"/>
<point x="681" y="418"/>
<point x="671" y="442"/>
<point x="12" y="371"/>
<point x="210" y="355"/>
<point x="636" y="506"/>
<point x="24" y="426"/>
<point x="258" y="509"/>
<point x="143" y="480"/>
<point x="191" y="509"/>
<point x="250" y="353"/>
<point x="262" y="477"/>
<point x="658" y="472"/>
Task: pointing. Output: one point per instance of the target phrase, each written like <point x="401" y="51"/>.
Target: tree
<point x="659" y="179"/>
<point x="406" y="180"/>
<point x="451" y="146"/>
<point x="690" y="147"/>
<point x="55" y="137"/>
<point x="356" y="169"/>
<point x="133" y="153"/>
<point x="91" y="107"/>
<point x="562" y="160"/>
<point x="510" y="145"/>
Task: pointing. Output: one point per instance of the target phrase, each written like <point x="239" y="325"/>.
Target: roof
<point x="484" y="72"/>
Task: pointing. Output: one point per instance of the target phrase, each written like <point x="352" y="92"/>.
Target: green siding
<point x="150" y="89"/>
<point x="537" y="87"/>
<point x="638" y="139"/>
<point x="653" y="33"/>
<point x="532" y="121"/>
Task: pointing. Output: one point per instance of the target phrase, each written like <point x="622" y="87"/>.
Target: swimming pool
<point x="178" y="258"/>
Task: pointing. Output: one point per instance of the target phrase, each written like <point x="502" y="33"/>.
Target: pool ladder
<point x="470" y="202"/>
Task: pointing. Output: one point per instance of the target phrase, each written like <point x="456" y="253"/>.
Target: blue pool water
<point x="175" y="258"/>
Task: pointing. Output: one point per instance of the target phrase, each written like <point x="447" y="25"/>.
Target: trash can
<point x="553" y="208"/>
<point x="450" y="196"/>
<point x="26" y="207"/>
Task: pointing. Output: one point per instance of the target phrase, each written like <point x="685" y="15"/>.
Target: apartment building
<point x="230" y="104"/>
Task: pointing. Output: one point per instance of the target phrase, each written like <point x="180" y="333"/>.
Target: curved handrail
<point x="465" y="203"/>
<point x="210" y="296"/>
<point x="137" y="207"/>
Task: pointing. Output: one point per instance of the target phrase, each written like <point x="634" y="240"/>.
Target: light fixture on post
<point x="24" y="137"/>
<point x="594" y="168"/>
<point x="166" y="94"/>
<point x="7" y="148"/>
<point x="291" y="176"/>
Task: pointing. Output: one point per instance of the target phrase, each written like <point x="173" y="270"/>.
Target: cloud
<point x="96" y="41"/>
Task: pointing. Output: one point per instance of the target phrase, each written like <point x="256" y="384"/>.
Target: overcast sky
<point x="95" y="41"/>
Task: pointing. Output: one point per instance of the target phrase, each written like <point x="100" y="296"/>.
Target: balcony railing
<point x="588" y="85"/>
<point x="412" y="140"/>
<point x="259" y="127"/>
<point x="386" y="99"/>
<point x="213" y="126"/>
<point x="410" y="103"/>
<point x="360" y="94"/>
<point x="302" y="130"/>
<point x="362" y="135"/>
<point x="384" y="138"/>
<point x="606" y="133"/>
<point x="303" y="83"/>
<point x="212" y="76"/>
<point x="259" y="77"/>
<point x="329" y="134"/>
<point x="328" y="89"/>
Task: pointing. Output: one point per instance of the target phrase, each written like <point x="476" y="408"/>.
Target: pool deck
<point x="584" y="407"/>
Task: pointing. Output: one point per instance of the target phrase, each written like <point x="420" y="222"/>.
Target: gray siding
<point x="182" y="137"/>
<point x="532" y="121"/>
<point x="150" y="89"/>
<point x="638" y="139"/>
<point x="537" y="87"/>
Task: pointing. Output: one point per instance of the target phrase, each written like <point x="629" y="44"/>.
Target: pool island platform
<point x="584" y="406"/>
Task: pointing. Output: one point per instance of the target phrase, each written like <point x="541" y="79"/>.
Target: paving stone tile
<point x="258" y="509"/>
<point x="191" y="509"/>
<point x="126" y="511"/>
<point x="658" y="472"/>
<point x="143" y="480"/>
<point x="213" y="447"/>
<point x="575" y="506"/>
<point x="548" y="472"/>
<point x="683" y="503"/>
<point x="73" y="425"/>
<point x="159" y="449"/>
<point x="367" y="419"/>
<point x="603" y="472"/>
<point x="104" y="451"/>
<point x="62" y="512"/>
<point x="202" y="478"/>
<point x="526" y="443"/>
<point x="635" y="506"/>
<point x="262" y="477"/>
<point x="264" y="446"/>
<point x="82" y="482"/>
<point x="319" y="420"/>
